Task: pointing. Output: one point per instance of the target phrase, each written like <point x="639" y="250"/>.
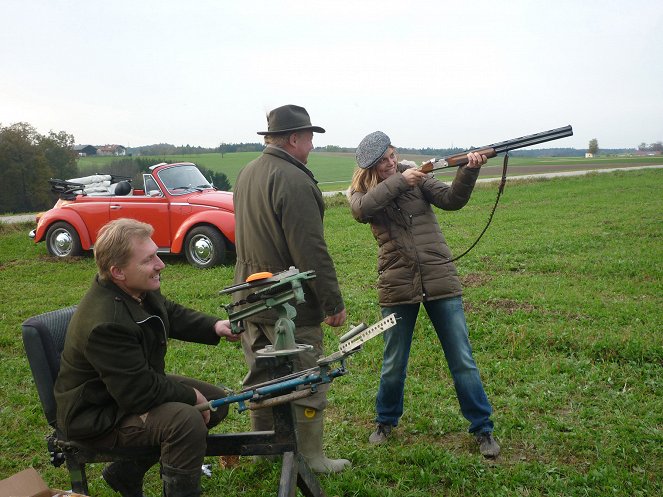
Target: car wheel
<point x="62" y="240"/>
<point x="205" y="247"/>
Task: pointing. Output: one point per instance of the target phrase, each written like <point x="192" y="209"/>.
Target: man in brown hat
<point x="278" y="213"/>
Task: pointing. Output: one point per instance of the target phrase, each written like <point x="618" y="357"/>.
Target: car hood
<point x="222" y="200"/>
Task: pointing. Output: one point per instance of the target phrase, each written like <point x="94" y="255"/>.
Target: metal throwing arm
<point x="276" y="393"/>
<point x="282" y="390"/>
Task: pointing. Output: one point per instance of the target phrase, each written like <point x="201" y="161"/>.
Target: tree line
<point x="226" y="148"/>
<point x="169" y="149"/>
<point x="652" y="147"/>
<point x="28" y="159"/>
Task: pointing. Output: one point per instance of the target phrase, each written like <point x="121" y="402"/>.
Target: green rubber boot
<point x="126" y="477"/>
<point x="263" y="420"/>
<point x="179" y="483"/>
<point x="310" y="424"/>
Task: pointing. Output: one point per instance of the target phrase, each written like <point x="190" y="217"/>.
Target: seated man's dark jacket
<point x="113" y="363"/>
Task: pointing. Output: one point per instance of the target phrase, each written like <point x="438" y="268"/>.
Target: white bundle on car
<point x="88" y="180"/>
<point x="96" y="184"/>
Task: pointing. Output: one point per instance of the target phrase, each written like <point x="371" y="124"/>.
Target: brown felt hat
<point x="289" y="118"/>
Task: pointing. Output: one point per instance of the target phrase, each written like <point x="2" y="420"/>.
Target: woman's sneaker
<point x="487" y="445"/>
<point x="381" y="434"/>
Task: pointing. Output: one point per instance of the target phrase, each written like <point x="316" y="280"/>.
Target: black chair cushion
<point x="43" y="339"/>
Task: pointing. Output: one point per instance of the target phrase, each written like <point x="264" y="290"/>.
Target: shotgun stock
<point x="490" y="151"/>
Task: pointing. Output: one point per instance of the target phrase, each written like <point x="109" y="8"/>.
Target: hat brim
<point x="316" y="129"/>
<point x="372" y="164"/>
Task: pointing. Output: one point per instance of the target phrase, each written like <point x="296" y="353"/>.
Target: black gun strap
<point x="500" y="189"/>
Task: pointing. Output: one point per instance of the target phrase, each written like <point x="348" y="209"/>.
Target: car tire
<point x="62" y="240"/>
<point x="205" y="247"/>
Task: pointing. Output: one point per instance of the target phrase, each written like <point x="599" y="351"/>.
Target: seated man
<point x="112" y="390"/>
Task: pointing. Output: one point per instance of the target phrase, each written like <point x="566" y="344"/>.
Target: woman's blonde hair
<point x="115" y="243"/>
<point x="365" y="179"/>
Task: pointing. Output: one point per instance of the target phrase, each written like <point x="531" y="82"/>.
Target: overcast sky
<point x="428" y="73"/>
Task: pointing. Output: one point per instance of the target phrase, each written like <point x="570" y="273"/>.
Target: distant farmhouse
<point x="111" y="150"/>
<point x="85" y="150"/>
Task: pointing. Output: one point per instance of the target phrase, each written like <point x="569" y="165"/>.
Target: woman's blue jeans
<point x="448" y="319"/>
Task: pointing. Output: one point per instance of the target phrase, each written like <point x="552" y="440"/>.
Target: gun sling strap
<point x="490" y="218"/>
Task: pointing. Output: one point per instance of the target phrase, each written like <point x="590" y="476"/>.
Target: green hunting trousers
<point x="179" y="429"/>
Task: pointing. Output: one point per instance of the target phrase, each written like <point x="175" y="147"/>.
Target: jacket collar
<point x="137" y="312"/>
<point x="282" y="154"/>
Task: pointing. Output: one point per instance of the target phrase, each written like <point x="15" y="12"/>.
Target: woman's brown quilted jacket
<point x="412" y="251"/>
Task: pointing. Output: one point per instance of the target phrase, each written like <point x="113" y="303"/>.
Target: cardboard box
<point x="28" y="483"/>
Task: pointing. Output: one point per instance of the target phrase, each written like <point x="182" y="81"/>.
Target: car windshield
<point x="183" y="179"/>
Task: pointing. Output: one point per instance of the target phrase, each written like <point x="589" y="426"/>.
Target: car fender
<point x="67" y="215"/>
<point x="224" y="221"/>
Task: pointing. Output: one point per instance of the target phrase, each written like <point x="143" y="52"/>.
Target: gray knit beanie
<point x="371" y="149"/>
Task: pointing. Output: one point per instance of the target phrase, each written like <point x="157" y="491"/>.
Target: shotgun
<point x="489" y="151"/>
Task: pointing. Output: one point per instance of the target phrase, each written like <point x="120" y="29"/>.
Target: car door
<point x="153" y="210"/>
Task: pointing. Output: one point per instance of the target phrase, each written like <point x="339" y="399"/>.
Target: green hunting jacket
<point x="113" y="363"/>
<point x="279" y="213"/>
<point x="412" y="251"/>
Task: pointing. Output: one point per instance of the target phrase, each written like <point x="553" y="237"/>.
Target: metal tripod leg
<point x="295" y="468"/>
<point x="295" y="472"/>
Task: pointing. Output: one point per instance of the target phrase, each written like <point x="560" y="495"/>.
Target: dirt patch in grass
<point x="509" y="306"/>
<point x="461" y="443"/>
<point x="41" y="258"/>
<point x="475" y="279"/>
<point x="516" y="452"/>
<point x="63" y="260"/>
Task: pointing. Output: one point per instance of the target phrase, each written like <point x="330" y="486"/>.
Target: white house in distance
<point x="111" y="150"/>
<point x="85" y="150"/>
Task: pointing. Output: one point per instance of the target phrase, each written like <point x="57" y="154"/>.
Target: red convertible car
<point x="188" y="214"/>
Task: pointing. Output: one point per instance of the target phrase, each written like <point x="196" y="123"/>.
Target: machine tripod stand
<point x="282" y="441"/>
<point x="275" y="292"/>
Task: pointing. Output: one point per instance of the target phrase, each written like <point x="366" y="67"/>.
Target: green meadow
<point x="564" y="301"/>
<point x="334" y="170"/>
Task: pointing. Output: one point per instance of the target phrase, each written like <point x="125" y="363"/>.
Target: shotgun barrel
<point x="489" y="151"/>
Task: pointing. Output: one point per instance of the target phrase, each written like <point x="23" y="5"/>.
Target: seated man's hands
<point x="200" y="399"/>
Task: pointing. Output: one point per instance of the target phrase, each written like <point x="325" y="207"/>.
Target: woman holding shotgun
<point x="414" y="268"/>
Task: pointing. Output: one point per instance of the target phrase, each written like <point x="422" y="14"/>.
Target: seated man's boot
<point x="309" y="442"/>
<point x="126" y="477"/>
<point x="180" y="483"/>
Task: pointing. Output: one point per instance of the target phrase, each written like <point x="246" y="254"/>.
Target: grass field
<point x="564" y="301"/>
<point x="334" y="170"/>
